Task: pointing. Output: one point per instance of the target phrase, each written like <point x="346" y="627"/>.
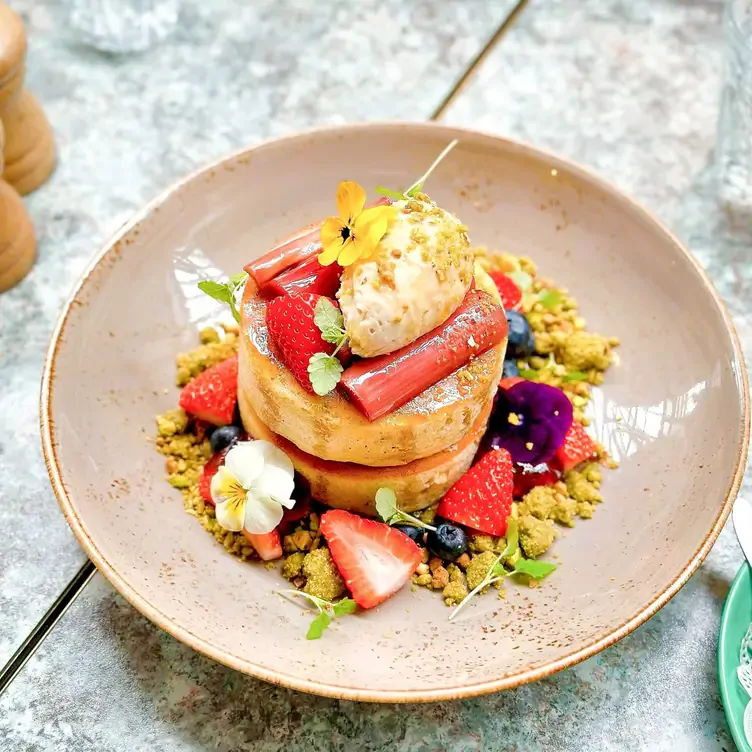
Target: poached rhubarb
<point x="382" y="384"/>
<point x="308" y="277"/>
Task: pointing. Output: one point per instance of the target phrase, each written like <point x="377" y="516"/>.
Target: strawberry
<point x="577" y="448"/>
<point x="482" y="497"/>
<point x="510" y="381"/>
<point x="208" y="472"/>
<point x="374" y="559"/>
<point x="213" y="394"/>
<point x="289" y="319"/>
<point x="268" y="545"/>
<point x="511" y="295"/>
<point x="525" y="480"/>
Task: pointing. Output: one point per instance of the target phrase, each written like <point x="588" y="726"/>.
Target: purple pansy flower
<point x="530" y="421"/>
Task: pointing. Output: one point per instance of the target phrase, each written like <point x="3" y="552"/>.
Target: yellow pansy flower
<point x="356" y="232"/>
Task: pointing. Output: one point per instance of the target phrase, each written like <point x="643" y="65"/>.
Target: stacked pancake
<point x="428" y="335"/>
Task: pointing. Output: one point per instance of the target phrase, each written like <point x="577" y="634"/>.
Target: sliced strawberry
<point x="525" y="479"/>
<point x="268" y="545"/>
<point x="577" y="448"/>
<point x="374" y="559"/>
<point x="511" y="295"/>
<point x="482" y="497"/>
<point x="510" y="381"/>
<point x="382" y="384"/>
<point x="213" y="394"/>
<point x="289" y="319"/>
<point x="308" y="277"/>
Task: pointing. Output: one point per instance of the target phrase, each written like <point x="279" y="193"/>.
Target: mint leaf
<point x="318" y="625"/>
<point x="225" y="292"/>
<point x="522" y="279"/>
<point x="513" y="538"/>
<point x="574" y="376"/>
<point x="389" y="193"/>
<point x="237" y="279"/>
<point x="345" y="606"/>
<point x="325" y="372"/>
<point x="328" y="318"/>
<point x="536" y="570"/>
<point x="550" y="299"/>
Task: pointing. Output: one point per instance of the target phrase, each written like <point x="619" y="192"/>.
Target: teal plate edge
<point x="735" y="619"/>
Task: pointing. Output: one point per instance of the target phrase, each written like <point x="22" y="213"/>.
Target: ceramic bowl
<point x="674" y="413"/>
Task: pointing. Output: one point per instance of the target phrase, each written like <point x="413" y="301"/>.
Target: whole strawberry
<point x="482" y="498"/>
<point x="295" y="334"/>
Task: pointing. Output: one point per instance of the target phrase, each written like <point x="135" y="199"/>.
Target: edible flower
<point x="252" y="487"/>
<point x="356" y="232"/>
<point x="530" y="420"/>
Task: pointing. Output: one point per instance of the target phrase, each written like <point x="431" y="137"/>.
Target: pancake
<point x="331" y="428"/>
<point x="353" y="487"/>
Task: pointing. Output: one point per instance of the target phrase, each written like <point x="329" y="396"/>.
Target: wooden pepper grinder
<point x="29" y="145"/>
<point x="17" y="241"/>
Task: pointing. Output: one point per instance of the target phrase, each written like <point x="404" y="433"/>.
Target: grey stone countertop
<point x="630" y="89"/>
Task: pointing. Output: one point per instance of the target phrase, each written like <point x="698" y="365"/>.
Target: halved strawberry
<point x="526" y="479"/>
<point x="577" y="448"/>
<point x="482" y="497"/>
<point x="308" y="277"/>
<point x="511" y="295"/>
<point x="208" y="472"/>
<point x="374" y="559"/>
<point x="268" y="545"/>
<point x="289" y="319"/>
<point x="213" y="394"/>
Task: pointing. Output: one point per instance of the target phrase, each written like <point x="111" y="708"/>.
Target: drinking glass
<point x="123" y="25"/>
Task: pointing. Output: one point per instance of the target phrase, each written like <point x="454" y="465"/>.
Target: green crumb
<point x="481" y="543"/>
<point x="585" y="510"/>
<point x="582" y="489"/>
<point x="293" y="565"/>
<point x="172" y="422"/>
<point x="540" y="502"/>
<point x="208" y="335"/>
<point x="583" y="351"/>
<point x="322" y="577"/>
<point x="536" y="536"/>
<point x="478" y="568"/>
<point x="564" y="510"/>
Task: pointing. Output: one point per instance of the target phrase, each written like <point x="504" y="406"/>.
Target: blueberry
<point x="448" y="542"/>
<point x="521" y="339"/>
<point x="224" y="437"/>
<point x="412" y="532"/>
<point x="510" y="369"/>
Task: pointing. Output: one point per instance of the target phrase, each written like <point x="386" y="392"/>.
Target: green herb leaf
<point x="225" y="292"/>
<point x="527" y="373"/>
<point x="536" y="570"/>
<point x="522" y="279"/>
<point x="574" y="376"/>
<point x="325" y="372"/>
<point x="386" y="506"/>
<point x="550" y="299"/>
<point x="389" y="193"/>
<point x="414" y="191"/>
<point x="345" y="606"/>
<point x="328" y="318"/>
<point x="513" y="538"/>
<point x="318" y="625"/>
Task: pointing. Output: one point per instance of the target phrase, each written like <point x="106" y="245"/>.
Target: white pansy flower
<point x="251" y="488"/>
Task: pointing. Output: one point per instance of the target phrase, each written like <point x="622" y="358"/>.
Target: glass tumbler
<point x="123" y="25"/>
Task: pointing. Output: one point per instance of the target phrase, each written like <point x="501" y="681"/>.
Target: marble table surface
<point x="629" y="88"/>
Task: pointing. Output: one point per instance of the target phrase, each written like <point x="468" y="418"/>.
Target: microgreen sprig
<point x="386" y="506"/>
<point x="225" y="292"/>
<point x="535" y="570"/>
<point x="417" y="186"/>
<point x="326" y="611"/>
<point x="325" y="370"/>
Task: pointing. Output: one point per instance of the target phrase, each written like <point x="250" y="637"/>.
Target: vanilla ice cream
<point x="416" y="279"/>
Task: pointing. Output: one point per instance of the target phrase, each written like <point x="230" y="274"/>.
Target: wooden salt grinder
<point x="17" y="242"/>
<point x="29" y="145"/>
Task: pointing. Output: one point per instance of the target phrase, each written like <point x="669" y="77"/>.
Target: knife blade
<point x="742" y="516"/>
